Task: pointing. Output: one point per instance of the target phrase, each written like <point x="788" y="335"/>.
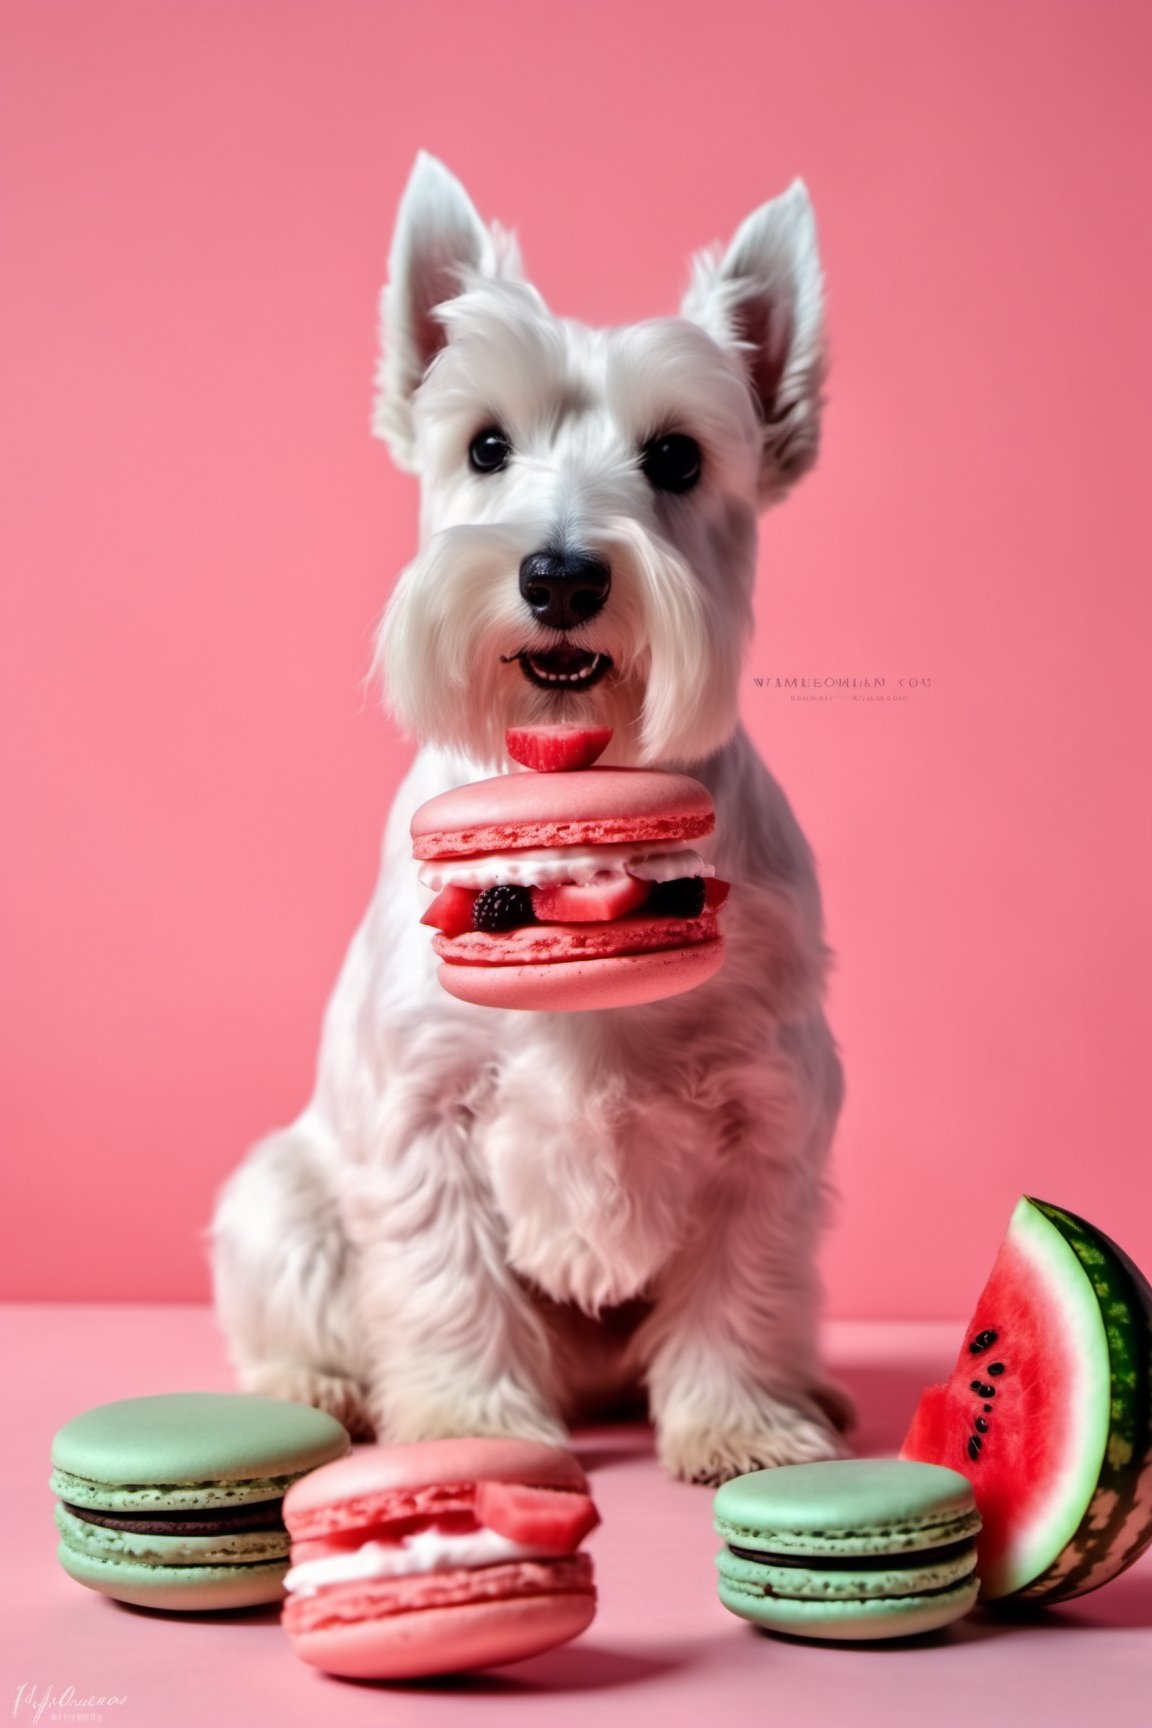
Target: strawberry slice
<point x="715" y="892"/>
<point x="556" y="749"/>
<point x="451" y="911"/>
<point x="610" y="894"/>
<point x="551" y="1518"/>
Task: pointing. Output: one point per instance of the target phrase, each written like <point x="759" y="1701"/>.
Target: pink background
<point x="199" y="535"/>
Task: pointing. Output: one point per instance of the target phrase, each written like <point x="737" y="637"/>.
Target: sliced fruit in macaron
<point x="538" y="1517"/>
<point x="556" y="749"/>
<point x="610" y="894"/>
<point x="451" y="911"/>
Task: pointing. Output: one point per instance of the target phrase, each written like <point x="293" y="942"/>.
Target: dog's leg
<point x="731" y="1349"/>
<point x="453" y="1342"/>
<point x="279" y="1260"/>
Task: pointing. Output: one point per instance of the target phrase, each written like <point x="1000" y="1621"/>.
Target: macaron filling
<point x="177" y="1546"/>
<point x="261" y="1515"/>
<point x="876" y="1562"/>
<point x="420" y="1552"/>
<point x="932" y="1573"/>
<point x="548" y="866"/>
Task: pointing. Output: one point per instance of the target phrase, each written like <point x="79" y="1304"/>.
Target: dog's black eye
<point x="672" y="463"/>
<point x="489" y="450"/>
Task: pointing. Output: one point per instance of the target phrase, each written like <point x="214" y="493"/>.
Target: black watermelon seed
<point x="995" y="1367"/>
<point x="975" y="1385"/>
<point x="982" y="1341"/>
<point x="987" y="1407"/>
<point x="974" y="1446"/>
<point x="981" y="1425"/>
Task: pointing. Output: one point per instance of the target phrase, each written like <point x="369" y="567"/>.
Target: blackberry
<point x="504" y="907"/>
<point x="683" y="898"/>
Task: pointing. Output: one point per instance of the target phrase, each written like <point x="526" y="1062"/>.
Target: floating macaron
<point x="848" y="1550"/>
<point x="438" y="1557"/>
<point x="570" y="886"/>
<point x="175" y="1501"/>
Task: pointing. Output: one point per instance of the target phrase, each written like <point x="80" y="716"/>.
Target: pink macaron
<point x="438" y="1558"/>
<point x="570" y="890"/>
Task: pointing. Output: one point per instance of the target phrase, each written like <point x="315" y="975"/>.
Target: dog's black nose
<point x="564" y="589"/>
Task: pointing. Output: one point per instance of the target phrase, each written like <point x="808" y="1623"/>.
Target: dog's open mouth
<point x="564" y="668"/>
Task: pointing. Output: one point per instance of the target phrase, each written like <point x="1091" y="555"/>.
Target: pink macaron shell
<point x="595" y="807"/>
<point x="444" y="1640"/>
<point x="453" y="1587"/>
<point x="375" y="1482"/>
<point x="619" y="981"/>
<point x="544" y="944"/>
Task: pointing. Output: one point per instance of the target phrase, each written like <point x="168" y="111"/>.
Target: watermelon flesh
<point x="557" y="749"/>
<point x="1048" y="1411"/>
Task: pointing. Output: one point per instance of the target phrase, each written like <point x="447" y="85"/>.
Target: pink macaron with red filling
<point x="439" y="1557"/>
<point x="570" y="886"/>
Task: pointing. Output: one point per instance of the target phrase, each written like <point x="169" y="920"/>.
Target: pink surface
<point x="199" y="535"/>
<point x="662" y="1653"/>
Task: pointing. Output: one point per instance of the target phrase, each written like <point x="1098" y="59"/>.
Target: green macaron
<point x="856" y="1549"/>
<point x="174" y="1501"/>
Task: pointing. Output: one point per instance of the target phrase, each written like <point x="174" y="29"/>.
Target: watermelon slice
<point x="451" y="911"/>
<point x="554" y="1518"/>
<point x="1049" y="1411"/>
<point x="609" y="894"/>
<point x="556" y="749"/>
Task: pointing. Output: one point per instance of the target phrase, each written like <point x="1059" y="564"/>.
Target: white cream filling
<point x="548" y="865"/>
<point x="427" y="1551"/>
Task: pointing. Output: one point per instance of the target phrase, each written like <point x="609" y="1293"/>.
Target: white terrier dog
<point x="488" y="1221"/>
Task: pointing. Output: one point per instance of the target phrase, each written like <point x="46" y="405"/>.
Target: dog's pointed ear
<point x="765" y="296"/>
<point x="439" y="239"/>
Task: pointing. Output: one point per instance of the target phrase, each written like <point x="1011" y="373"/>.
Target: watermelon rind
<point x="1055" y="1521"/>
<point x="1116" y="1526"/>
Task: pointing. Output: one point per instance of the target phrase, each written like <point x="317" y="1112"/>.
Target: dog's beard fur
<point x="578" y="406"/>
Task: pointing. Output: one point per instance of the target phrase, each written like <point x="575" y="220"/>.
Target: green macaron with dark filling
<point x="174" y="1501"/>
<point x="855" y="1549"/>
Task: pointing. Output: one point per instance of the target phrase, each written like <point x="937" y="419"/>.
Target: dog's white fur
<point x="487" y="1221"/>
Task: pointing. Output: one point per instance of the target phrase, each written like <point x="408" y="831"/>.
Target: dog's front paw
<point x="776" y="1432"/>
<point x="336" y="1393"/>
